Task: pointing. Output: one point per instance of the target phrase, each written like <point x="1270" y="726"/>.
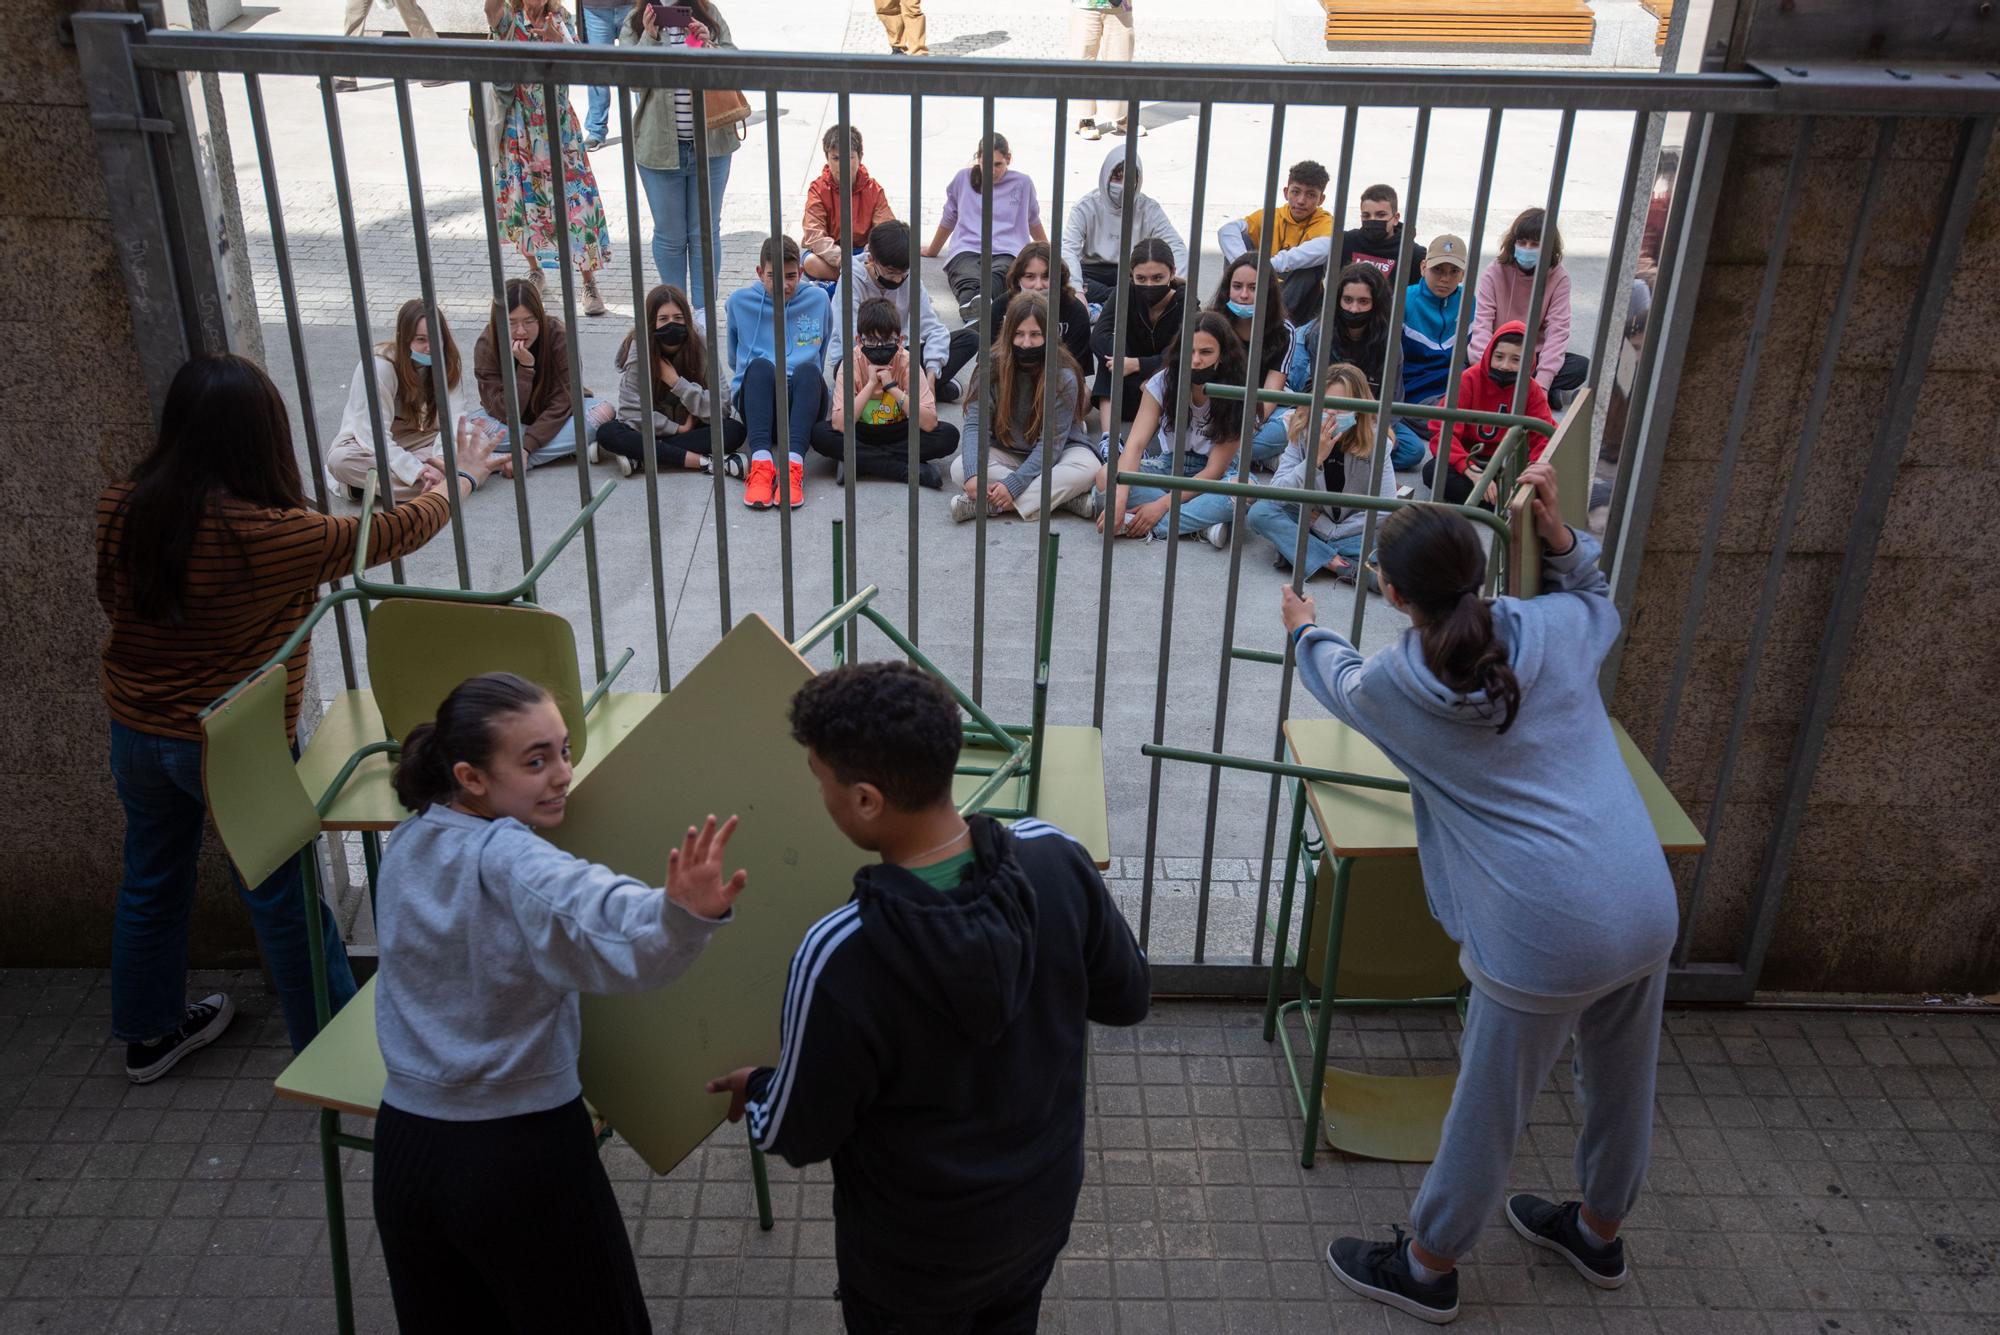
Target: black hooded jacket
<point x="933" y="1049"/>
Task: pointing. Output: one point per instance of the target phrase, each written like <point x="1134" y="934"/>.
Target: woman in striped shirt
<point x="664" y="125"/>
<point x="208" y="558"/>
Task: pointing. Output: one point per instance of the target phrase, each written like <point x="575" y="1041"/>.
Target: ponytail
<point x="996" y="147"/>
<point x="1433" y="558"/>
<point x="462" y="732"/>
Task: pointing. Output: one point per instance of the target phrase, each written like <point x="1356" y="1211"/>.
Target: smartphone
<point x="671" y="16"/>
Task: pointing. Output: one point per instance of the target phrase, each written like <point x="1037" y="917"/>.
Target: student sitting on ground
<point x="1486" y="387"/>
<point x="1379" y="239"/>
<point x="868" y="204"/>
<point x="1236" y="299"/>
<point x="754" y="368"/>
<point x="1007" y="412"/>
<point x="492" y="1203"/>
<point x="880" y="406"/>
<point x="1539" y="860"/>
<point x="678" y="361"/>
<point x="1030" y="274"/>
<point x="1092" y="235"/>
<point x="1342" y="461"/>
<point x="1504" y="289"/>
<point x="934" y="1033"/>
<point x="1017" y="220"/>
<point x="1304" y="234"/>
<point x="540" y="349"/>
<point x="1152" y="323"/>
<point x="1215" y="428"/>
<point x="406" y="397"/>
<point x="883" y="270"/>
<point x="1360" y="324"/>
<point x="1430" y="332"/>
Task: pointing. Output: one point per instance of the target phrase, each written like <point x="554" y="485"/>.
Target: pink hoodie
<point x="1503" y="296"/>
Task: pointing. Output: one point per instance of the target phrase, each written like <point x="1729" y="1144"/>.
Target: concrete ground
<point x="1187" y="670"/>
<point x="1812" y="1173"/>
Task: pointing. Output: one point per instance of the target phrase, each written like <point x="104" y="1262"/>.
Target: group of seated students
<point x="907" y="362"/>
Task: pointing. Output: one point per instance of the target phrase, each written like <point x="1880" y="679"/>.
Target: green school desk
<point x="1385" y="947"/>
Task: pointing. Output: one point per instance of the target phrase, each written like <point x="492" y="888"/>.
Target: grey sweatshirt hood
<point x="1112" y="161"/>
<point x="1523" y="639"/>
<point x="1095" y="224"/>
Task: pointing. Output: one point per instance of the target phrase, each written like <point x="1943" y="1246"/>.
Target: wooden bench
<point x="1663" y="10"/>
<point x="1408" y="23"/>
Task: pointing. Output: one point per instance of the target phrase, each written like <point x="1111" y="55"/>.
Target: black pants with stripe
<point x="503" y="1225"/>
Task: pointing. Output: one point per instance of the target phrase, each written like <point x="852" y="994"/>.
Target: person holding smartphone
<point x="665" y="122"/>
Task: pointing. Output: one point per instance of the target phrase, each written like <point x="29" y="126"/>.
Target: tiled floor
<point x="1830" y="1173"/>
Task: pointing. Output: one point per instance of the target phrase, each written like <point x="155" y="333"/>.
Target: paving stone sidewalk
<point x="1828" y="1173"/>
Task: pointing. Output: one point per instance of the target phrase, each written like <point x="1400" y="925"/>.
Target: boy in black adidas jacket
<point x="934" y="1026"/>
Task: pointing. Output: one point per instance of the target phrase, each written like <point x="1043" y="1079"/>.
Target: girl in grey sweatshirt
<point x="494" y="1210"/>
<point x="1539" y="859"/>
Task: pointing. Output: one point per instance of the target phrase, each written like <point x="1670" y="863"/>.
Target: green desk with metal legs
<point x="1378" y="944"/>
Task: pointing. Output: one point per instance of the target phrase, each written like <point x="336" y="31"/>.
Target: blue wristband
<point x="1299" y="632"/>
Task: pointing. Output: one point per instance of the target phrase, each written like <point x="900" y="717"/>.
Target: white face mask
<point x="1115" y="192"/>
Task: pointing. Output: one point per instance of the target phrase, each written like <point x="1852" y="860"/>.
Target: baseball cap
<point x="1447" y="249"/>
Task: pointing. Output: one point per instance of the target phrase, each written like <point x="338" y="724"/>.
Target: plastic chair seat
<point x="1071" y="794"/>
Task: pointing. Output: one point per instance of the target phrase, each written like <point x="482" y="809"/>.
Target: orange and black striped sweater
<point x="253" y="575"/>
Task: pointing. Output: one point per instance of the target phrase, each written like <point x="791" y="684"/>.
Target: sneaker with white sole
<point x="1558" y="1229"/>
<point x="1087" y="504"/>
<point x="1218" y="536"/>
<point x="593" y="453"/>
<point x="1381" y="1270"/>
<point x="735" y="465"/>
<point x="963" y="507"/>
<point x="202" y="1024"/>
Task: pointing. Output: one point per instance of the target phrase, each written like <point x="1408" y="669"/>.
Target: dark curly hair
<point x="890" y="724"/>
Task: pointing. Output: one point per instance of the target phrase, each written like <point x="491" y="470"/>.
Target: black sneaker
<point x="928" y="476"/>
<point x="1381" y="1270"/>
<point x="1555" y="1228"/>
<point x="203" y="1024"/>
<point x="946" y="390"/>
<point x="736" y="465"/>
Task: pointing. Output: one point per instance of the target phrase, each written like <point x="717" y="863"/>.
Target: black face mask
<point x="888" y="286"/>
<point x="1355" y="319"/>
<point x="1201" y="375"/>
<point x="881" y="354"/>
<point x="1145" y="294"/>
<point x="671" y="335"/>
<point x="1030" y="356"/>
<point x="1375" y="229"/>
<point x="1504" y="379"/>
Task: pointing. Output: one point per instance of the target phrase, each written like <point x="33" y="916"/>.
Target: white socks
<point x="1589" y="1233"/>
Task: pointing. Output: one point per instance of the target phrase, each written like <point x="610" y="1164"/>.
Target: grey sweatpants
<point x="1504" y="1059"/>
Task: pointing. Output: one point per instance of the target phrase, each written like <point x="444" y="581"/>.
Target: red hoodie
<point x="822" y="222"/>
<point x="1475" y="442"/>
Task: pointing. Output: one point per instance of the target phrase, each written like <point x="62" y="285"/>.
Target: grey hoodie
<point x="1092" y="229"/>
<point x="858" y="285"/>
<point x="488" y="932"/>
<point x="1539" y="858"/>
<point x="1328" y="521"/>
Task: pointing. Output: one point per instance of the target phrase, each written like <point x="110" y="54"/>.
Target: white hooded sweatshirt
<point x="1091" y="232"/>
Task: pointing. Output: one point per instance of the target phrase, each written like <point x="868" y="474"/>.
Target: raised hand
<point x="1297" y="609"/>
<point x="1547" y="507"/>
<point x="694" y="871"/>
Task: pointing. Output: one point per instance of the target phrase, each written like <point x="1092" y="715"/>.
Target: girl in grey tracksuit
<point x="1539" y="859"/>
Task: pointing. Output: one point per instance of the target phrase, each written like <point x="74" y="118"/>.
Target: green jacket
<point x="655" y="144"/>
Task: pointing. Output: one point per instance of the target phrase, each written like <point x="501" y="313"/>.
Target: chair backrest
<point x="261" y="810"/>
<point x="418" y="650"/>
<point x="1568" y="452"/>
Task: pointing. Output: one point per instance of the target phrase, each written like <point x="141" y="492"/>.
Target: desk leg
<point x="371" y="857"/>
<point x="336" y="1219"/>
<point x="1283" y="934"/>
<point x="760" y="1177"/>
<point x="1323" y="1017"/>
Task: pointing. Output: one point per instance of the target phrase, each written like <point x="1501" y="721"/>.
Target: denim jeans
<point x="675" y="199"/>
<point x="159" y="783"/>
<point x="596" y="412"/>
<point x="1199" y="510"/>
<point x="1278" y="524"/>
<point x="1413" y="440"/>
<point x="600" y="27"/>
<point x="1270" y="440"/>
<point x="757" y="405"/>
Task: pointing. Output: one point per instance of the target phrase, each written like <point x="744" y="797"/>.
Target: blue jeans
<point x="675" y="198"/>
<point x="600" y="27"/>
<point x="1278" y="523"/>
<point x="159" y="783"/>
<point x="757" y="405"/>
<point x="1413" y="442"/>
<point x="1199" y="510"/>
<point x="1270" y="440"/>
<point x="561" y="446"/>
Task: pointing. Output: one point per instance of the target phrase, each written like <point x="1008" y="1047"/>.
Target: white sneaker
<point x="1218" y="536"/>
<point x="626" y="466"/>
<point x="595" y="456"/>
<point x="1089" y="130"/>
<point x="1086" y="504"/>
<point x="962" y="507"/>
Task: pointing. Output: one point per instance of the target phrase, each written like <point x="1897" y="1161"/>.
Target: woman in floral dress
<point x="524" y="182"/>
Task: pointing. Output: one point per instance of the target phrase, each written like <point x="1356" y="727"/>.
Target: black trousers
<point x="962" y="271"/>
<point x="1016" y="1311"/>
<point x="1130" y="391"/>
<point x="672" y="451"/>
<point x="1100" y="281"/>
<point x="1575" y="370"/>
<point x="883" y="450"/>
<point x="502" y="1225"/>
<point x="1457" y="486"/>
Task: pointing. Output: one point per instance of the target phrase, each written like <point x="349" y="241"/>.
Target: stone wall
<point x="77" y="417"/>
<point x="1891" y="885"/>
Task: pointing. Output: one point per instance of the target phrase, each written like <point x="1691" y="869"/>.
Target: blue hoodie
<point x="809" y="312"/>
<point x="1538" y="855"/>
<point x="1430" y="325"/>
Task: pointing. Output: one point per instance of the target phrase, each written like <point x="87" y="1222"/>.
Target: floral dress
<point x="523" y="187"/>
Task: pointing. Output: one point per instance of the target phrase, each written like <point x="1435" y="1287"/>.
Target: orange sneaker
<point x="762" y="484"/>
<point x="798" y="483"/>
